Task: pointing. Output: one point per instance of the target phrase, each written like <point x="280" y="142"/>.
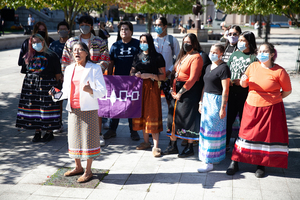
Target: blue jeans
<point x="115" y="122"/>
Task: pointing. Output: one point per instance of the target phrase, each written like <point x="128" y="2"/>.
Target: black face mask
<point x="187" y="47"/>
<point x="42" y="33"/>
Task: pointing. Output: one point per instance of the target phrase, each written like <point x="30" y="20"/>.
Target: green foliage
<point x="177" y="7"/>
<point x="288" y="8"/>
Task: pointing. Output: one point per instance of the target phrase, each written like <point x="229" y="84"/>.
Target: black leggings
<point x="236" y="100"/>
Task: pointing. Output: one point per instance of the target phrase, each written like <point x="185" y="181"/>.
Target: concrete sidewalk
<point x="25" y="166"/>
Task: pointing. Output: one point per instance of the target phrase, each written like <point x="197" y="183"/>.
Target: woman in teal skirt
<point x="212" y="137"/>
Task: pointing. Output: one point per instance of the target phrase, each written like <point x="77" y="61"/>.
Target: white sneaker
<point x="106" y="125"/>
<point x="60" y="130"/>
<point x="206" y="168"/>
<point x="102" y="141"/>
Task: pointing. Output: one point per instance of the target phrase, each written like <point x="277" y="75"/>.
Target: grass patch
<point x="58" y="179"/>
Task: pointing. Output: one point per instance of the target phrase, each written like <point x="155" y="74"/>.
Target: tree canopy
<point x="288" y="8"/>
<point x="71" y="8"/>
<point x="176" y="7"/>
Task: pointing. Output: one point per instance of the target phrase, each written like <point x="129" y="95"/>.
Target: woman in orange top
<point x="263" y="136"/>
<point x="183" y="115"/>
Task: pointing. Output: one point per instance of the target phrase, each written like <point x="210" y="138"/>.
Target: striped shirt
<point x="98" y="50"/>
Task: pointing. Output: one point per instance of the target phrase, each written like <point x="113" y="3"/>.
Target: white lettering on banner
<point x="123" y="96"/>
<point x="127" y="51"/>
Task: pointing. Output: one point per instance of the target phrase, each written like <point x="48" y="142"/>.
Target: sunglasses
<point x="232" y="34"/>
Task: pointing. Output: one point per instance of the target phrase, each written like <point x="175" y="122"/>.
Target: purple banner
<point x="123" y="98"/>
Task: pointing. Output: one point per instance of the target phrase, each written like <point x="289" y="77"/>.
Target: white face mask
<point x="213" y="57"/>
<point x="37" y="46"/>
<point x="241" y="46"/>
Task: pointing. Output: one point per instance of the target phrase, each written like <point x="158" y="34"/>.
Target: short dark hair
<point x="163" y="21"/>
<point x="250" y="37"/>
<point x="128" y="23"/>
<point x="63" y="23"/>
<point x="220" y="47"/>
<point x="86" y="19"/>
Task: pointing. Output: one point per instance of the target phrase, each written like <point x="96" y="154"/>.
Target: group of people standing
<point x="204" y="93"/>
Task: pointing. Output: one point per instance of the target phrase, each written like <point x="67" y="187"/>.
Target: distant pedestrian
<point x="1" y="25"/>
<point x="30" y="22"/>
<point x="36" y="110"/>
<point x="263" y="138"/>
<point x="103" y="33"/>
<point x="209" y="21"/>
<point x="190" y="23"/>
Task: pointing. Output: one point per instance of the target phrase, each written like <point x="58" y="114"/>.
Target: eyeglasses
<point x="124" y="29"/>
<point x="232" y="34"/>
<point x="155" y="25"/>
<point x="78" y="50"/>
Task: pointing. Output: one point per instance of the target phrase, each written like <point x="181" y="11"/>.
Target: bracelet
<point x="200" y="103"/>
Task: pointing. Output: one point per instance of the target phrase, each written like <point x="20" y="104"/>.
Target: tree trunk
<point x="268" y="28"/>
<point x="260" y="26"/>
<point x="149" y="24"/>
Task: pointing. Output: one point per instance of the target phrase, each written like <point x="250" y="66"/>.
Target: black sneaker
<point x="187" y="151"/>
<point x="171" y="149"/>
<point x="37" y="136"/>
<point x="134" y="136"/>
<point x="233" y="168"/>
<point x="48" y="137"/>
<point x="109" y="134"/>
<point x="260" y="172"/>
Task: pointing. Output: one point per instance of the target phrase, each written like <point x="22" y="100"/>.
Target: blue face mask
<point x="37" y="46"/>
<point x="144" y="47"/>
<point x="213" y="57"/>
<point x="263" y="57"/>
<point x="241" y="46"/>
<point x="158" y="30"/>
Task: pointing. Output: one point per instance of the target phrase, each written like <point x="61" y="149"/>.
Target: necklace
<point x="145" y="58"/>
<point x="178" y="68"/>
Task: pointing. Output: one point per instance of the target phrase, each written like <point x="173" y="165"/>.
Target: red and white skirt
<point x="263" y="137"/>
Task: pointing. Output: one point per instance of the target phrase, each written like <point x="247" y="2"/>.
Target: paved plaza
<point x="134" y="174"/>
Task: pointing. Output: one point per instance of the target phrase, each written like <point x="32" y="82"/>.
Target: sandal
<point x="156" y="152"/>
<point x="73" y="172"/>
<point x="144" y="146"/>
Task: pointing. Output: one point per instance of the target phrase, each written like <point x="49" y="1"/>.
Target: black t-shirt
<point x="212" y="78"/>
<point x="228" y="51"/>
<point x="57" y="47"/>
<point x="24" y="49"/>
<point x="148" y="63"/>
<point x="44" y="64"/>
<point x="122" y="54"/>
